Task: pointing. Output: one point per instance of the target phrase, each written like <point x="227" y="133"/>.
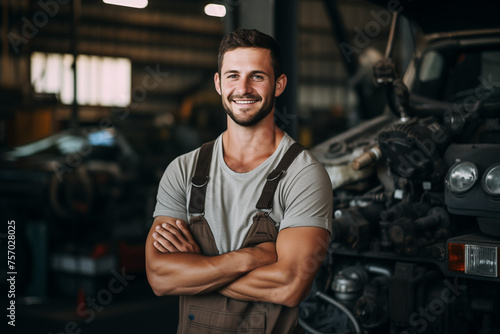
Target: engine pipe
<point x="367" y="158"/>
<point x="328" y="299"/>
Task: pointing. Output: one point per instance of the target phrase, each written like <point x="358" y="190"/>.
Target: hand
<point x="174" y="239"/>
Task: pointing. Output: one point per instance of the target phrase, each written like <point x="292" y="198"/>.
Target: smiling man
<point x="242" y="224"/>
<point x="245" y="96"/>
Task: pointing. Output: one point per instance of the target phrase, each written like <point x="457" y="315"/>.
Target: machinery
<point x="79" y="201"/>
<point x="416" y="242"/>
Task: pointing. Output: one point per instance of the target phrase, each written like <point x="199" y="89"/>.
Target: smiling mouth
<point x="242" y="102"/>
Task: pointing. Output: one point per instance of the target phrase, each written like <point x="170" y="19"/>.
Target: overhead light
<point x="128" y="3"/>
<point x="216" y="10"/>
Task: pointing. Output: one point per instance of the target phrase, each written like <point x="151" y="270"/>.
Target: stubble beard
<point x="259" y="116"/>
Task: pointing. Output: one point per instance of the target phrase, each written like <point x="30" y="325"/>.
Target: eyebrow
<point x="251" y="73"/>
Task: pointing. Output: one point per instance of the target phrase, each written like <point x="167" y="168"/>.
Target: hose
<point x="357" y="327"/>
<point x="375" y="269"/>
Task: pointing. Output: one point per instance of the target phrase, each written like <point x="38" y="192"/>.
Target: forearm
<point x="274" y="283"/>
<point x="175" y="266"/>
<point x="289" y="280"/>
<point x="189" y="273"/>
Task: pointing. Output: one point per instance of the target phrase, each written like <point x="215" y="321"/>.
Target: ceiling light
<point x="128" y="3"/>
<point x="216" y="10"/>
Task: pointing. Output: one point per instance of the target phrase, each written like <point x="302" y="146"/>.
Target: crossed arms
<point x="280" y="273"/>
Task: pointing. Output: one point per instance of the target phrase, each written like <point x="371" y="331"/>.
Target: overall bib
<point x="213" y="312"/>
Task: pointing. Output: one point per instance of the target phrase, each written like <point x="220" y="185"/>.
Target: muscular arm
<point x="300" y="253"/>
<point x="185" y="271"/>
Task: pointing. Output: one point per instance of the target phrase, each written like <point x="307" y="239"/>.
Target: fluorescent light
<point x="213" y="9"/>
<point x="128" y="3"/>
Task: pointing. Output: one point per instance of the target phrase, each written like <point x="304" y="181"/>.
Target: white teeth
<point x="244" y="102"/>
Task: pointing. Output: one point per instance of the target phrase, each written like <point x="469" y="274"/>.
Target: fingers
<point x="192" y="245"/>
<point x="168" y="237"/>
<point x="176" y="238"/>
<point x="160" y="247"/>
<point x="161" y="243"/>
<point x="184" y="229"/>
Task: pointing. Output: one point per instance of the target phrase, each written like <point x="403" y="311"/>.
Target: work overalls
<point x="213" y="312"/>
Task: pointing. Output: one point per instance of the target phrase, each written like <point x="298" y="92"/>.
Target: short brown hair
<point x="252" y="38"/>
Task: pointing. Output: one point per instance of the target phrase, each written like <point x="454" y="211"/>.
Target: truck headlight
<point x="491" y="180"/>
<point x="462" y="176"/>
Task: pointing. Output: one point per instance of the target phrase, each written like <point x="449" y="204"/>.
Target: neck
<point x="245" y="148"/>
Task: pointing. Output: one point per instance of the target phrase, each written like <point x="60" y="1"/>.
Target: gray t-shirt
<point x="303" y="196"/>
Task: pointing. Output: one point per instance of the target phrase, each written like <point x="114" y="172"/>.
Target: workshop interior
<point x="398" y="99"/>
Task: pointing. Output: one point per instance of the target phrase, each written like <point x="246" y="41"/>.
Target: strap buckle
<point x="199" y="181"/>
<point x="275" y="174"/>
<point x="267" y="212"/>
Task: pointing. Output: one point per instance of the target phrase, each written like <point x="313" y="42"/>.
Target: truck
<point x="415" y="246"/>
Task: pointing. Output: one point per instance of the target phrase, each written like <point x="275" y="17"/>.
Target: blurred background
<point x="97" y="97"/>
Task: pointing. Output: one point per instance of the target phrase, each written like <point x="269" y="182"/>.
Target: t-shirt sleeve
<point x="309" y="199"/>
<point x="171" y="197"/>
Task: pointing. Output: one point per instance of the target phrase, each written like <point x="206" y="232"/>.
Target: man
<point x="215" y="238"/>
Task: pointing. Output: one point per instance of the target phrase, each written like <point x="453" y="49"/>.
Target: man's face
<point x="247" y="85"/>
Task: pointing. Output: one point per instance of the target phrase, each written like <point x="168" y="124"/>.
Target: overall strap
<point x="200" y="179"/>
<point x="266" y="198"/>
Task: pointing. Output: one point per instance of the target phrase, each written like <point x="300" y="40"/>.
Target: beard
<point x="259" y="116"/>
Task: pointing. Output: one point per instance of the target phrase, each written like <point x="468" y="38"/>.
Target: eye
<point x="258" y="77"/>
<point x="232" y="76"/>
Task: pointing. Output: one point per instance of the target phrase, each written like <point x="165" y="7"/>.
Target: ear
<point x="217" y="82"/>
<point x="280" y="85"/>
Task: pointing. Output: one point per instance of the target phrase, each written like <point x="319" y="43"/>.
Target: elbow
<point x="291" y="302"/>
<point x="294" y="292"/>
<point x="158" y="284"/>
<point x="158" y="292"/>
<point x="293" y="299"/>
<point x="160" y="288"/>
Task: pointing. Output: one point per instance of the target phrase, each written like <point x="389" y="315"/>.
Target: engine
<point x="416" y="242"/>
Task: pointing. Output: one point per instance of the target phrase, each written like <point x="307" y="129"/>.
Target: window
<point x="101" y="81"/>
<point x="431" y="67"/>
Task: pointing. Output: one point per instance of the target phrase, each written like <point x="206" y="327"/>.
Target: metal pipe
<point x="392" y="33"/>
<point x="367" y="158"/>
<point x="357" y="327"/>
<point x="374" y="269"/>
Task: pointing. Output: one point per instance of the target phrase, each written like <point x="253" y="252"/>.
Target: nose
<point x="244" y="86"/>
